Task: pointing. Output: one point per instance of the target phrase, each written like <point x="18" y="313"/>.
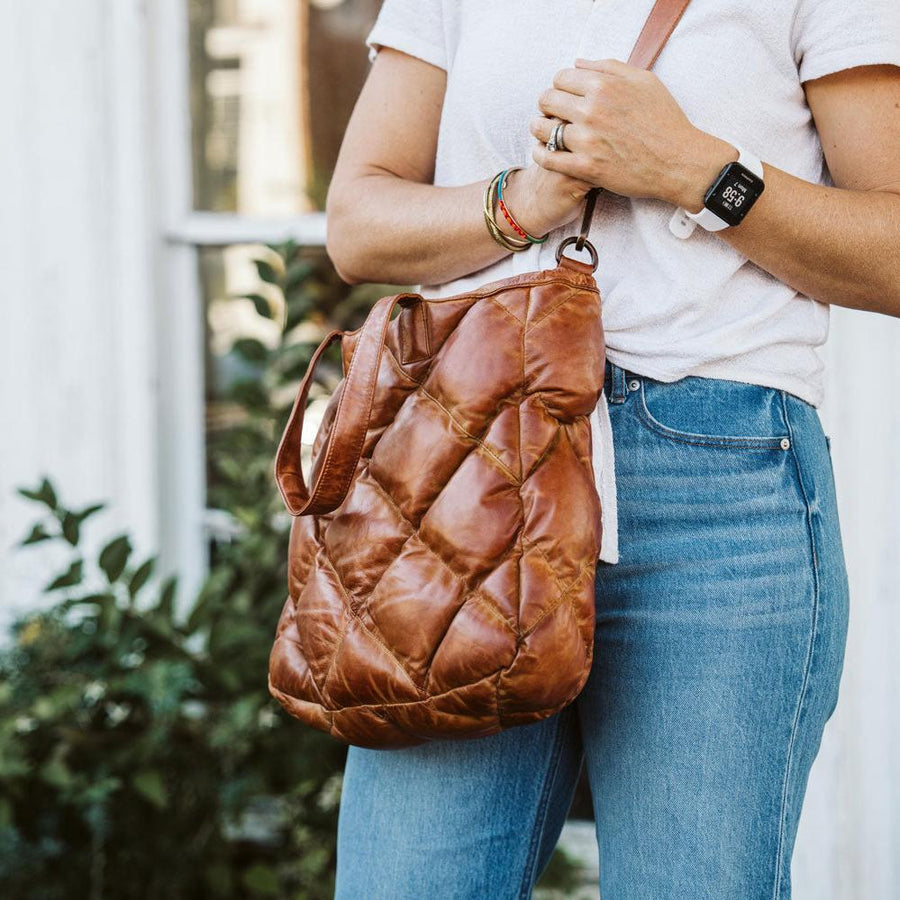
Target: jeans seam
<point x="540" y="818"/>
<point x="779" y="857"/>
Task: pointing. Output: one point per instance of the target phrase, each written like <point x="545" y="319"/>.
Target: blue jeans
<point x="719" y="648"/>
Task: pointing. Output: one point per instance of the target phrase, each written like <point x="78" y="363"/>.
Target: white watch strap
<point x="683" y="223"/>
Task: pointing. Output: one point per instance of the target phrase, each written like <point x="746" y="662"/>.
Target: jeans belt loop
<point x="618" y="392"/>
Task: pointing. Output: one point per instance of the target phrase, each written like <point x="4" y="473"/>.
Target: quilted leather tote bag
<point x="443" y="549"/>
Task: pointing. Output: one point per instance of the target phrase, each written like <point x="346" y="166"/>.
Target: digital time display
<point x="733" y="193"/>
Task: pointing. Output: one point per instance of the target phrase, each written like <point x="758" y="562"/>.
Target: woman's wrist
<point x="539" y="201"/>
<point x="694" y="169"/>
<point x="517" y="197"/>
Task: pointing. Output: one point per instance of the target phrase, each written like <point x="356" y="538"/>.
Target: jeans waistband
<point x="618" y="382"/>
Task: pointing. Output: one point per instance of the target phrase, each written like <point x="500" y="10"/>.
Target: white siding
<point x="79" y="245"/>
<point x="849" y="841"/>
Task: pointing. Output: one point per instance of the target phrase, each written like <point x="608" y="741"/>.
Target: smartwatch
<point x="727" y="200"/>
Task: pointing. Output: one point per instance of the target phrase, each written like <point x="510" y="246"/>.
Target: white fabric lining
<point x="603" y="459"/>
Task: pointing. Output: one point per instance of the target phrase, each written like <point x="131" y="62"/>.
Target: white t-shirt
<point x="671" y="307"/>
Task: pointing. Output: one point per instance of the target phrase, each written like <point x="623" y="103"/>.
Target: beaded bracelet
<point x="506" y="241"/>
<point x="509" y="217"/>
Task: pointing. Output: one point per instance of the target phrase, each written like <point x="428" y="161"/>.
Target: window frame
<point x="186" y="523"/>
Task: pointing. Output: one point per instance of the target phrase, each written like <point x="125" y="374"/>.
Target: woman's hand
<point x="627" y="134"/>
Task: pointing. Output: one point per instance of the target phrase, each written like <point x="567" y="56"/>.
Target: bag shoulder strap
<point x="660" y="24"/>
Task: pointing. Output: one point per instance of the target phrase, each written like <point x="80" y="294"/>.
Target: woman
<point x="722" y="596"/>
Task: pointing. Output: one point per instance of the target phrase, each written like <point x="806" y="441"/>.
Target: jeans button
<point x="785" y="444"/>
<point x="634" y="384"/>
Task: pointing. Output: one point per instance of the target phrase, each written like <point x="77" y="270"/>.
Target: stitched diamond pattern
<point x="451" y="592"/>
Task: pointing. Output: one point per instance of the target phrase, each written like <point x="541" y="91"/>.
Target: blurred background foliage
<point x="140" y="754"/>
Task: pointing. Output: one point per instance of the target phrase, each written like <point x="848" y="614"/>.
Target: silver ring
<point x="556" y="141"/>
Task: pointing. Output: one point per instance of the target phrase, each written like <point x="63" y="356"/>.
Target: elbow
<point x="341" y="267"/>
<point x="340" y="249"/>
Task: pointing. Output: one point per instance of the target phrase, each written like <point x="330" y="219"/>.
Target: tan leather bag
<point x="441" y="571"/>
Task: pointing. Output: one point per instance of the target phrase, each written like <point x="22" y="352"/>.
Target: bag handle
<point x="660" y="24"/>
<point x="337" y="460"/>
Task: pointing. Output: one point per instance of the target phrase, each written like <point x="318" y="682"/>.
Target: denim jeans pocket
<point x="713" y="412"/>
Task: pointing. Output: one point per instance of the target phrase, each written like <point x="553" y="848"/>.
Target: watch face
<point x="733" y="193"/>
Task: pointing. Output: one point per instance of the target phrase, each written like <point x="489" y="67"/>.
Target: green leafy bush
<point x="134" y="746"/>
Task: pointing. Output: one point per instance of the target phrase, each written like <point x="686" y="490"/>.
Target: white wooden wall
<point x="849" y="842"/>
<point x="89" y="318"/>
<point x="100" y="379"/>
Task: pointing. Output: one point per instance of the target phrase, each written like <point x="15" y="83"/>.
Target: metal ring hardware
<point x="581" y="240"/>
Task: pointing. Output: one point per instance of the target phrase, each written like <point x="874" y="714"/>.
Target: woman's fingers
<point x="562" y="104"/>
<point x="542" y="126"/>
<point x="566" y="163"/>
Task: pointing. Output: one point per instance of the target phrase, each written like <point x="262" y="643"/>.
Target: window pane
<point x="266" y="310"/>
<point x="273" y="83"/>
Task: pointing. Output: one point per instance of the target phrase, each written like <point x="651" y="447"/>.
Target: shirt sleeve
<point x="830" y="35"/>
<point x="413" y="26"/>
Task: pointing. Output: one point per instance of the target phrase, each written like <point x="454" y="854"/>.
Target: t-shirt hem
<point x="848" y="57"/>
<point x="388" y="36"/>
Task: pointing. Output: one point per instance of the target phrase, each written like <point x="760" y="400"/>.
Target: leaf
<point x="48" y="495"/>
<point x="141" y="576"/>
<point x="69" y="578"/>
<point x="114" y="557"/>
<point x="251" y="349"/>
<point x="151" y="786"/>
<point x="71" y="528"/>
<point x="262" y="305"/>
<point x="98" y="600"/>
<point x="89" y="511"/>
<point x="266" y="271"/>
<point x="38" y="533"/>
<point x="213" y="589"/>
<point x="166" y="604"/>
<point x="44" y="494"/>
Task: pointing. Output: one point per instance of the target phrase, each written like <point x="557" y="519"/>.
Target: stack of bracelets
<point x="495" y="191"/>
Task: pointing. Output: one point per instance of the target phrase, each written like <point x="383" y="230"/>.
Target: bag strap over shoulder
<point x="661" y="22"/>
<point x="340" y="455"/>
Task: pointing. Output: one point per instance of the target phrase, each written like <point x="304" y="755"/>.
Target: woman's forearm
<point x="387" y="229"/>
<point x="397" y="231"/>
<point x="833" y="244"/>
